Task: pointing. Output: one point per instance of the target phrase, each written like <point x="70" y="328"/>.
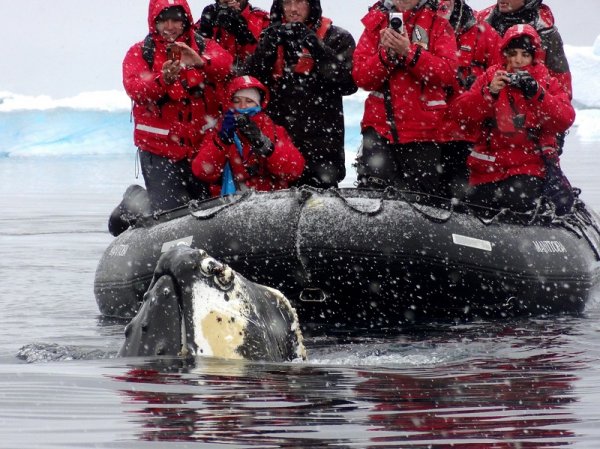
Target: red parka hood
<point x="156" y="7"/>
<point x="516" y="31"/>
<point x="246" y="82"/>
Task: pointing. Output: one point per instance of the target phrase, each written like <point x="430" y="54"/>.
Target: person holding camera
<point x="406" y="59"/>
<point x="236" y="25"/>
<point x="306" y="62"/>
<point x="247" y="149"/>
<point x="506" y="13"/>
<point x="519" y="108"/>
<point x="172" y="77"/>
<point x="477" y="45"/>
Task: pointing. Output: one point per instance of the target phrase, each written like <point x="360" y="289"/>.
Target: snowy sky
<point x="63" y="47"/>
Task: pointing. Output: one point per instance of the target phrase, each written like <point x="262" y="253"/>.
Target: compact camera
<point x="173" y="53"/>
<point x="514" y="79"/>
<point x="397" y="22"/>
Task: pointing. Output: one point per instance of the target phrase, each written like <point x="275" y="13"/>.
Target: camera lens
<point x="396" y="23"/>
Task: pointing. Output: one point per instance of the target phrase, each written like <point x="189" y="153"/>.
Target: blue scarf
<point x="228" y="186"/>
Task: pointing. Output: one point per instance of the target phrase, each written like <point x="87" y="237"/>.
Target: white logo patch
<point x="118" y="250"/>
<point x="549" y="246"/>
<point x="471" y="242"/>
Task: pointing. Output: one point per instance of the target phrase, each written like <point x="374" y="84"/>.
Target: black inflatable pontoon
<point x="355" y="258"/>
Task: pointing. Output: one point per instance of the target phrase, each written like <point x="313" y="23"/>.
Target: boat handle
<point x="313" y="295"/>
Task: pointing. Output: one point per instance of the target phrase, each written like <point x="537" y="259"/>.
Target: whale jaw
<point x="198" y="306"/>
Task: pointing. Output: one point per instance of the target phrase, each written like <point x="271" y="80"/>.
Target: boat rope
<point x="579" y="222"/>
<point x="420" y="208"/>
<point x="368" y="213"/>
<point x="226" y="202"/>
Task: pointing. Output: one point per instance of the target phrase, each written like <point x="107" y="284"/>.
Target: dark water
<point x="532" y="383"/>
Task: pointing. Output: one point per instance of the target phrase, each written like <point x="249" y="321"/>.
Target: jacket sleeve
<point x="476" y="104"/>
<point x="218" y="62"/>
<point x="260" y="64"/>
<point x="368" y="70"/>
<point x="257" y="21"/>
<point x="334" y="61"/>
<point x="286" y="162"/>
<point x="210" y="161"/>
<point x="438" y="64"/>
<point x="140" y="82"/>
<point x="554" y="108"/>
<point x="206" y="23"/>
<point x="556" y="59"/>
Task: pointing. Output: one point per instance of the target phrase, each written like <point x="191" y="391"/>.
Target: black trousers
<point x="518" y="193"/>
<point x="415" y="166"/>
<point x="454" y="178"/>
<point x="170" y="184"/>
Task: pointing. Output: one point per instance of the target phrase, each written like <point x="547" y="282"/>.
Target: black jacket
<point x="309" y="105"/>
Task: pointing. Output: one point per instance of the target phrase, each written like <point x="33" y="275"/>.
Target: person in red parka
<point x="249" y="150"/>
<point x="236" y="25"/>
<point x="172" y="77"/>
<point x="408" y="72"/>
<point x="477" y="43"/>
<point x="519" y="108"/>
<point x="506" y="13"/>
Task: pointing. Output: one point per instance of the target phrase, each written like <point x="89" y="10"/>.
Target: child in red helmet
<point x="246" y="149"/>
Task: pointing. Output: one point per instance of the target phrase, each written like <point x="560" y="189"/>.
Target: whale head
<point x="198" y="306"/>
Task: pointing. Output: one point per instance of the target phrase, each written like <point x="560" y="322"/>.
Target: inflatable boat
<point x="352" y="258"/>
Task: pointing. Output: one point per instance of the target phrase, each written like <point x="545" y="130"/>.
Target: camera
<point x="242" y="120"/>
<point x="397" y="22"/>
<point x="173" y="53"/>
<point x="514" y="79"/>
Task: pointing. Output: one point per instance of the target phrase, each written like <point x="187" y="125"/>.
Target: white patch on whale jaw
<point x="223" y="316"/>
<point x="219" y="322"/>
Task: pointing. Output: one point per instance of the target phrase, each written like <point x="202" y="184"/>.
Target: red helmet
<point x="246" y="82"/>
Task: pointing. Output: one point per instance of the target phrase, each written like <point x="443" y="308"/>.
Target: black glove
<point x="227" y="18"/>
<point x="466" y="81"/>
<point x="292" y="37"/>
<point x="313" y="44"/>
<point x="228" y="126"/>
<point x="260" y="143"/>
<point x="528" y="85"/>
<point x="293" y="32"/>
<point x="232" y="21"/>
<point x="269" y="40"/>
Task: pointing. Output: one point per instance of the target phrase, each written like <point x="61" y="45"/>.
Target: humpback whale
<point x="198" y="306"/>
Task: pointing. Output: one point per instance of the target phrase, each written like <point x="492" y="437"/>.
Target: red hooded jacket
<point x="419" y="87"/>
<point x="505" y="147"/>
<point x="170" y="120"/>
<point x="540" y="17"/>
<point x="274" y="172"/>
<point x="477" y="43"/>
